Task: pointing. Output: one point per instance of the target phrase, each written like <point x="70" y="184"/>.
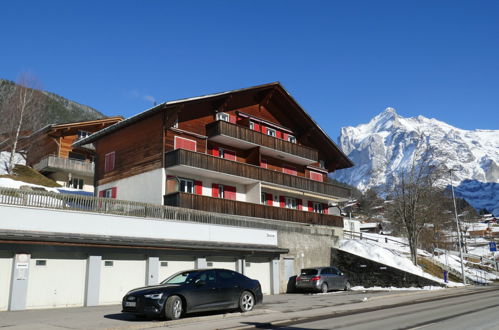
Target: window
<point x="108" y="263"/>
<point x="252" y="125"/>
<point x="75" y="183"/>
<point x="175" y="124"/>
<point x="227" y="154"/>
<point x="271" y="132"/>
<point x="108" y="193"/>
<point x="186" y="186"/>
<point x="290" y="203"/>
<point x="109" y="162"/>
<point x="75" y="155"/>
<point x="263" y="198"/>
<point x="223" y="116"/>
<point x="322" y="164"/>
<point x="317" y="207"/>
<point x="291" y="139"/>
<point x="164" y="263"/>
<point x="82" y="134"/>
<point x="221" y="191"/>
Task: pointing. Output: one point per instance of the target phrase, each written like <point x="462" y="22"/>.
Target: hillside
<point x="384" y="147"/>
<point x="57" y="108"/>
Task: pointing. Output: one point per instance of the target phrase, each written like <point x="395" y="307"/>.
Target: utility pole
<point x="458" y="229"/>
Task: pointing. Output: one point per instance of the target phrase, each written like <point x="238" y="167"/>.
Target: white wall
<point x="45" y="220"/>
<point x="123" y="276"/>
<point x="146" y="187"/>
<point x="259" y="269"/>
<point x="60" y="283"/>
<point x="226" y="263"/>
<point x="5" y="276"/>
<point x="174" y="265"/>
<point x="253" y="193"/>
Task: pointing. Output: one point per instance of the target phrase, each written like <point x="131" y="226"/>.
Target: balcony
<point x="225" y="206"/>
<point x="58" y="164"/>
<point x="244" y="138"/>
<point x="207" y="165"/>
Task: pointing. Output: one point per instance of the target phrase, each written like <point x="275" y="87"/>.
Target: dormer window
<point x="291" y="139"/>
<point x="82" y="134"/>
<point x="322" y="164"/>
<point x="252" y="125"/>
<point x="271" y="132"/>
<point x="222" y="116"/>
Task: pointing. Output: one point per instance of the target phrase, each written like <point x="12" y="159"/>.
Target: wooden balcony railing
<point x="225" y="206"/>
<point x="208" y="162"/>
<point x="75" y="166"/>
<point x="245" y="134"/>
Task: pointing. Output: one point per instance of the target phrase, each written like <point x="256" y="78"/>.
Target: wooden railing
<point x="66" y="164"/>
<point x="69" y="202"/>
<point x="200" y="160"/>
<point x="225" y="206"/>
<point x="242" y="133"/>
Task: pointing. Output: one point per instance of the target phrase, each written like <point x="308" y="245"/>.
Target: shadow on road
<point x="259" y="325"/>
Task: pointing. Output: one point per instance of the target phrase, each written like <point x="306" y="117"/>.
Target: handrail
<point x="68" y="202"/>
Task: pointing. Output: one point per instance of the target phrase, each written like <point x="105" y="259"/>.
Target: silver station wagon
<point x="322" y="279"/>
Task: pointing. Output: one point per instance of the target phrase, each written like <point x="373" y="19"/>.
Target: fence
<point x="52" y="200"/>
<point x="361" y="236"/>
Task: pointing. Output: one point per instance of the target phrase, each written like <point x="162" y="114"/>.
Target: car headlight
<point x="154" y="295"/>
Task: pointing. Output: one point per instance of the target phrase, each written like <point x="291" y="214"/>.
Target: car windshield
<point x="181" y="278"/>
<point x="310" y="271"/>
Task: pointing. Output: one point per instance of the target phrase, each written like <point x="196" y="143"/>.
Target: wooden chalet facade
<point x="50" y="150"/>
<point x="252" y="152"/>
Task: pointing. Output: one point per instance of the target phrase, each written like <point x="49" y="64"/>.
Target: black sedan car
<point x="194" y="291"/>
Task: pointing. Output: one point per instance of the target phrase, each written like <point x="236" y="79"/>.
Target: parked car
<point x="194" y="291"/>
<point x="322" y="279"/>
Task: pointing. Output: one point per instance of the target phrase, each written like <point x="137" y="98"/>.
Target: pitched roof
<point x="341" y="158"/>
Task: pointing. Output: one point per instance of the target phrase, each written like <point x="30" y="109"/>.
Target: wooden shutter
<point x="256" y="127"/>
<point x="289" y="170"/>
<point x="325" y="208"/>
<point x="285" y="136"/>
<point x="299" y="203"/>
<point x="264" y="129"/>
<point x="278" y="134"/>
<point x="181" y="143"/>
<point x="215" y="152"/>
<point x="101" y="193"/>
<point x="316" y="176"/>
<point x="229" y="154"/>
<point x="114" y="192"/>
<point x="269" y="199"/>
<point x="230" y="192"/>
<point x="310" y="206"/>
<point x="214" y="190"/>
<point x="198" y="186"/>
<point x="282" y="201"/>
<point x="232" y="118"/>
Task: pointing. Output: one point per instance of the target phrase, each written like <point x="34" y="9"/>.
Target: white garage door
<point x="170" y="266"/>
<point x="56" y="281"/>
<point x="226" y="263"/>
<point x="118" y="276"/>
<point x="259" y="269"/>
<point x="5" y="275"/>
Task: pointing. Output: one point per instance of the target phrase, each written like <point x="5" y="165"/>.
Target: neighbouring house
<point x="251" y="152"/>
<point x="50" y="150"/>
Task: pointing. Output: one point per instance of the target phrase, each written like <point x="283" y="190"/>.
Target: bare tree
<point x="417" y="200"/>
<point x="22" y="112"/>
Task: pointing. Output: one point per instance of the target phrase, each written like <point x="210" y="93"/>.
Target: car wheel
<point x="347" y="286"/>
<point x="324" y="288"/>
<point x="173" y="308"/>
<point x="246" y="302"/>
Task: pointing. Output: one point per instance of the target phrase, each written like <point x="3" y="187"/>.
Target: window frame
<point x="291" y="138"/>
<point x="222" y="115"/>
<point x="109" y="161"/>
<point x="290" y="203"/>
<point x="273" y="130"/>
<point x="186" y="185"/>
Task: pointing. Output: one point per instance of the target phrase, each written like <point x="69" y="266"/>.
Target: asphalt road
<point x="343" y="310"/>
<point x="476" y="311"/>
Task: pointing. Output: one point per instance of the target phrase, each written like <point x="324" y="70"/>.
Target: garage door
<point x="5" y="275"/>
<point x="118" y="276"/>
<point x="56" y="281"/>
<point x="170" y="265"/>
<point x="259" y="269"/>
<point x="226" y="263"/>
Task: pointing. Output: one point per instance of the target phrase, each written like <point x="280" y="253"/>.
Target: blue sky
<point x="343" y="61"/>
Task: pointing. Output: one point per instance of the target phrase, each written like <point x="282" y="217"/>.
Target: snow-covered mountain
<point x="386" y="145"/>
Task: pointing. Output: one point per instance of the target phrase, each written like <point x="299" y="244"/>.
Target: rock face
<point x="384" y="147"/>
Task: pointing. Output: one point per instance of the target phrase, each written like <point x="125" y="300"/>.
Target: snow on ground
<point x="454" y="262"/>
<point x="4" y="159"/>
<point x="390" y="257"/>
<point x="10" y="183"/>
<point x="392" y="288"/>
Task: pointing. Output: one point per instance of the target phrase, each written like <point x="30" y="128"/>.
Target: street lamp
<point x="458" y="229"/>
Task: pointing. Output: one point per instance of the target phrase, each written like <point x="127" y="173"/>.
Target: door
<point x="229" y="288"/>
<point x="259" y="269"/>
<point x="204" y="294"/>
<point x="289" y="274"/>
